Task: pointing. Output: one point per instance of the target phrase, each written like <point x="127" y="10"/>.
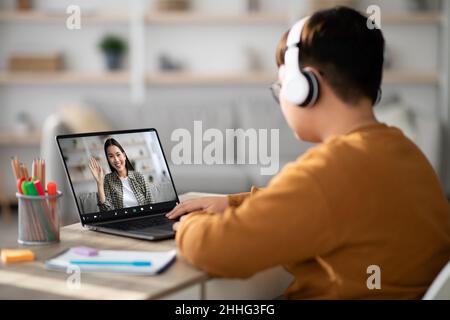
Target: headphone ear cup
<point x="295" y="89"/>
<point x="302" y="89"/>
<point x="313" y="92"/>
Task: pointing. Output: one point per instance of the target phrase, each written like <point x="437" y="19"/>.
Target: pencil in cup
<point x="29" y="230"/>
<point x="34" y="214"/>
<point x="45" y="215"/>
<point x="38" y="218"/>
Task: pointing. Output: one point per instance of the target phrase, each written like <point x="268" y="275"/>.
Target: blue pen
<point x="113" y="263"/>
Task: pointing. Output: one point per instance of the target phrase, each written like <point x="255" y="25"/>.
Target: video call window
<point x="129" y="169"/>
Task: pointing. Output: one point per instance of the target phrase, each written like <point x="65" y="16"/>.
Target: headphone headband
<point x="299" y="87"/>
<point x="291" y="55"/>
<point x="294" y="36"/>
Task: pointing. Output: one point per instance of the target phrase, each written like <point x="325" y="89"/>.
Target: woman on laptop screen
<point x="123" y="187"/>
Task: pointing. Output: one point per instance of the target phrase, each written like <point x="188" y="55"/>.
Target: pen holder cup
<point x="39" y="219"/>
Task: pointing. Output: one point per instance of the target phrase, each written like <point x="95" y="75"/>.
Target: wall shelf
<point x="123" y="78"/>
<point x="35" y="16"/>
<point x="214" y="18"/>
<point x="410" y="77"/>
<point x="184" y="78"/>
<point x="64" y="78"/>
<point x="256" y="78"/>
<point x="153" y="17"/>
<point x="18" y="139"/>
<point x="189" y="78"/>
<point x="189" y="17"/>
<point x="431" y="17"/>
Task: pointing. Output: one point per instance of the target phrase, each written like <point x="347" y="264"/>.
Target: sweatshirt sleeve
<point x="284" y="223"/>
<point x="235" y="200"/>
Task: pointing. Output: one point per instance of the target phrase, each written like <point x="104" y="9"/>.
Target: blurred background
<point x="165" y="63"/>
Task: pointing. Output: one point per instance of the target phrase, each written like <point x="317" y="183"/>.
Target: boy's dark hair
<point x="348" y="54"/>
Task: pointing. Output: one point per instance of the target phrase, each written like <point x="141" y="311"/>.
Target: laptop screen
<point x="116" y="175"/>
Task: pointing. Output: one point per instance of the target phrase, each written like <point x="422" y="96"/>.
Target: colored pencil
<point x="38" y="218"/>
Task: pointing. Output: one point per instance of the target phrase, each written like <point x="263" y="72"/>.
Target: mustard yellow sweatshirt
<point x="368" y="198"/>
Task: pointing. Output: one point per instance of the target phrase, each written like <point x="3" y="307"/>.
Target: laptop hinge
<point x="126" y="219"/>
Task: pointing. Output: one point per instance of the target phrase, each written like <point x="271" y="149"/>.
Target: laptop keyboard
<point x="139" y="224"/>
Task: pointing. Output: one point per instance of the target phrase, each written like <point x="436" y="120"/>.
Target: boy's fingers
<point x="178" y="211"/>
<point x="182" y="208"/>
<point x="173" y="212"/>
<point x="176" y="225"/>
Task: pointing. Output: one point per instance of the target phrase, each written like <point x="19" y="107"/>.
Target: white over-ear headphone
<point x="299" y="87"/>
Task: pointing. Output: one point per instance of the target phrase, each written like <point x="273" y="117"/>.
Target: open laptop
<point x="134" y="204"/>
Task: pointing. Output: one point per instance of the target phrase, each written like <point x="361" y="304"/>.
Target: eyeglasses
<point x="275" y="88"/>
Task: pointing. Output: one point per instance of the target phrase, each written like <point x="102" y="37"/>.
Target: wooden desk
<point x="180" y="281"/>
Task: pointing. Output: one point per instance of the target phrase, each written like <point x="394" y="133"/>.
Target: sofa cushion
<point x="266" y="114"/>
<point x="223" y="179"/>
<point x="168" y="117"/>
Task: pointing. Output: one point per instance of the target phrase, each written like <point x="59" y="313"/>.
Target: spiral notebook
<point x="117" y="261"/>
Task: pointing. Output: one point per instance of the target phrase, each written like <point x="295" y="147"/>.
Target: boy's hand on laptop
<point x="210" y="204"/>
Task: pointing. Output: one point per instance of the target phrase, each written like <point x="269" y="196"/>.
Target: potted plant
<point x="114" y="48"/>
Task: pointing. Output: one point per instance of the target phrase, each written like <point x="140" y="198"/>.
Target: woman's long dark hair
<point x="113" y="142"/>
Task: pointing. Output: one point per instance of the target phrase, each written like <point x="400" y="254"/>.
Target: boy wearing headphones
<point x="364" y="199"/>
